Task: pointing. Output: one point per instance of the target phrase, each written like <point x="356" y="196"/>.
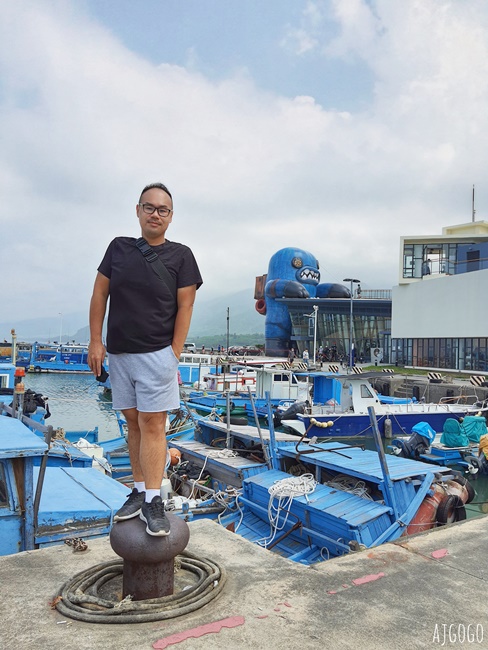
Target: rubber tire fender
<point x="237" y="421"/>
<point x="470" y="489"/>
<point x="450" y="509"/>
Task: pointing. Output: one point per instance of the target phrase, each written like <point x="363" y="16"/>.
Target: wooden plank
<point x="251" y="433"/>
<point x="362" y="464"/>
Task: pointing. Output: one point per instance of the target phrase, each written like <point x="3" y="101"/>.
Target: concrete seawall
<point x="422" y="592"/>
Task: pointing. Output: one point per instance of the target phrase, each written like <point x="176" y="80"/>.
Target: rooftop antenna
<point x="473" y="211"/>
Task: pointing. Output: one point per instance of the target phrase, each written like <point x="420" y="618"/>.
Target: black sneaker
<point x="153" y="514"/>
<point x="132" y="507"/>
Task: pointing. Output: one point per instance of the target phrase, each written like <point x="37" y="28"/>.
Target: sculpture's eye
<point x="297" y="263"/>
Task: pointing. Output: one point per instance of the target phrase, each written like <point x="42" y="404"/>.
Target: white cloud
<point x="299" y="41"/>
<point x="85" y="123"/>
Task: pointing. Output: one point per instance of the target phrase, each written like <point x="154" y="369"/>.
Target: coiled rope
<point x="284" y="491"/>
<point x="79" y="597"/>
<point x="351" y="485"/>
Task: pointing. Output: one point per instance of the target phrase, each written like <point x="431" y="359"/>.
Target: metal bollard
<point x="148" y="560"/>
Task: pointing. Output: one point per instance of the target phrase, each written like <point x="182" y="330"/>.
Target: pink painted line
<point x="442" y="552"/>
<point x="370" y="578"/>
<point x="287" y="604"/>
<point x="331" y="591"/>
<point x="197" y="632"/>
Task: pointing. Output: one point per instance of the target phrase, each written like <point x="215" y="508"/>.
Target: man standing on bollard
<point x="151" y="283"/>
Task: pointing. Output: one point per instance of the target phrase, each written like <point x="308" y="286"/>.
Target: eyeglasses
<point x="150" y="209"/>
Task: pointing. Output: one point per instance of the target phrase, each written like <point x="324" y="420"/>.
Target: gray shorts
<point x="147" y="381"/>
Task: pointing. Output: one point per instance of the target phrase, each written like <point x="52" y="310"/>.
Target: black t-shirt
<point x="142" y="310"/>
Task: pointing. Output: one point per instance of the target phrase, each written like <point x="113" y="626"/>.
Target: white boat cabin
<point x="282" y="384"/>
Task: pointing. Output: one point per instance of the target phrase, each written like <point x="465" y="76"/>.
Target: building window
<point x="453" y="354"/>
<point x="420" y="260"/>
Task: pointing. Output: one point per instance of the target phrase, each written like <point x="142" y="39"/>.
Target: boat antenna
<point x="473" y="211"/>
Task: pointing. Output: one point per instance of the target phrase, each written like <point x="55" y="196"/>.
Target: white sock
<point x="140" y="486"/>
<point x="150" y="494"/>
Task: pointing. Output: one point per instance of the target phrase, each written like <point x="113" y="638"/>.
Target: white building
<point x="439" y="309"/>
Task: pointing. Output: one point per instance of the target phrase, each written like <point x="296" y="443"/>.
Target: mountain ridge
<point x="209" y="318"/>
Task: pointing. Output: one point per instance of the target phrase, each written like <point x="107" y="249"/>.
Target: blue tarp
<point x="453" y="434"/>
<point x="425" y="430"/>
<point x="474" y="427"/>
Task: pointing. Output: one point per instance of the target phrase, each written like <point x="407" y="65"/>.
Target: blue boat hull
<point x="353" y="425"/>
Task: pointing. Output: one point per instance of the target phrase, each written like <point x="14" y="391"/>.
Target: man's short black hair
<point x="157" y="186"/>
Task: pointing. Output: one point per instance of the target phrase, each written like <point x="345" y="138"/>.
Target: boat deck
<point x="17" y="440"/>
<point x="352" y="509"/>
<point x="229" y="469"/>
<point x="363" y="464"/>
<point x="443" y="455"/>
<point x="336" y="457"/>
<point x="249" y="432"/>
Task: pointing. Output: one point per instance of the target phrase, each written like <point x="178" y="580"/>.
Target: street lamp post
<point x="228" y="319"/>
<point x="314" y="316"/>
<point x="60" y="329"/>
<point x="315" y="310"/>
<point x="352" y="281"/>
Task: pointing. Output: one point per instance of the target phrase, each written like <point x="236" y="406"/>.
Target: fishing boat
<point x="58" y="358"/>
<point x="313" y="500"/>
<point x="22" y="353"/>
<point x="42" y="504"/>
<point x="236" y="374"/>
<point x="193" y="367"/>
<point x="229" y="378"/>
<point x="275" y="382"/>
<point x="340" y="409"/>
<point x="461" y="444"/>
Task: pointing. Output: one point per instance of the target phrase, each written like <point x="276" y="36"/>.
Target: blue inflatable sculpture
<point x="292" y="273"/>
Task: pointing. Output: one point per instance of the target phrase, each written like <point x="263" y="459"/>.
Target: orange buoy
<point x="175" y="455"/>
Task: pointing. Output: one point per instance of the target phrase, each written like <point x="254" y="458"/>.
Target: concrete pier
<point x="423" y="592"/>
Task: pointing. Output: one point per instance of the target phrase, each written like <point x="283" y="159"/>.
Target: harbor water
<point x="77" y="402"/>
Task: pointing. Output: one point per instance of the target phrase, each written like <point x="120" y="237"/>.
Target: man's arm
<point x="98" y="305"/>
<point x="185" y="298"/>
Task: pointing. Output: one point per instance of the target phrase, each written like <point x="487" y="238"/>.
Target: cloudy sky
<point x="332" y="125"/>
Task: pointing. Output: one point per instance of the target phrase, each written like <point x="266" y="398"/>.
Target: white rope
<point x="226" y="498"/>
<point x="349" y="484"/>
<point x="222" y="453"/>
<point x="198" y="479"/>
<point x="284" y="491"/>
<point x="294" y="486"/>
